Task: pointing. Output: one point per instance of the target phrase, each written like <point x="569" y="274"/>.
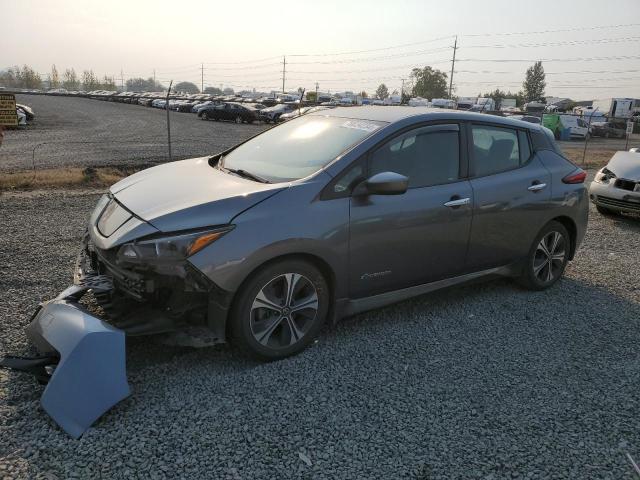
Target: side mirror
<point x="384" y="183"/>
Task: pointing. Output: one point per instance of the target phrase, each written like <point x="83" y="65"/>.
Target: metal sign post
<point x="8" y="114"/>
<point x="629" y="132"/>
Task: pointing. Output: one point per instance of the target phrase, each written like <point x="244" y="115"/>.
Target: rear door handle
<point x="536" y="187"/>
<point x="457" y="202"/>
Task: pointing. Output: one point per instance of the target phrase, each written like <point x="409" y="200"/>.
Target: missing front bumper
<point x="90" y="375"/>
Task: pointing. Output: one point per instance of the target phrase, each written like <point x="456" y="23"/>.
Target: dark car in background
<point x="229" y="111"/>
<point x="609" y="129"/>
<point x="330" y="214"/>
<point x="185" y="105"/>
<point x="273" y="114"/>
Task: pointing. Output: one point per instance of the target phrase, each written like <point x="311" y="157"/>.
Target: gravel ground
<point x="115" y="134"/>
<point x="484" y="381"/>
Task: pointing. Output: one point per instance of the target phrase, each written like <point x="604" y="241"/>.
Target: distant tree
<point x="497" y="95"/>
<point x="90" y="81"/>
<point x="139" y="84"/>
<point x="212" y="91"/>
<point x="382" y="91"/>
<point x="11" y="77"/>
<point x="108" y="84"/>
<point x="186" y="87"/>
<point x="228" y="91"/>
<point x="70" y="79"/>
<point x="429" y="83"/>
<point x="30" y="78"/>
<point x="364" y="94"/>
<point x="395" y="92"/>
<point x="54" y="81"/>
<point x="534" y="83"/>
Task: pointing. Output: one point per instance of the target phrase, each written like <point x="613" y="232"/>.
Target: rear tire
<point x="279" y="310"/>
<point x="238" y="119"/>
<point x="205" y="116"/>
<point x="547" y="257"/>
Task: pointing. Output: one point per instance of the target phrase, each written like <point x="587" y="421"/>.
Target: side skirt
<point x="347" y="307"/>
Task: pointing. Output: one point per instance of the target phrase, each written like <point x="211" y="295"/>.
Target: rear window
<point x="495" y="149"/>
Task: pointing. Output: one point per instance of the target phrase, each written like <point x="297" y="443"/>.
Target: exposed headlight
<point x="170" y="248"/>
<point x="604" y="176"/>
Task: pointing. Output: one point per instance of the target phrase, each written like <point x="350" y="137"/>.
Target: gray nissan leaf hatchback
<point x="330" y="214"/>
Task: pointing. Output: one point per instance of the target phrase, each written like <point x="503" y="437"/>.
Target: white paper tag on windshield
<point x="360" y="125"/>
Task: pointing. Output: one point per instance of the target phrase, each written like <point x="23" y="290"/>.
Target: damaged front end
<point x="82" y="360"/>
<point x="142" y="281"/>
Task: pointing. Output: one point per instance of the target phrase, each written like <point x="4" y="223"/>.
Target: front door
<point x="397" y="241"/>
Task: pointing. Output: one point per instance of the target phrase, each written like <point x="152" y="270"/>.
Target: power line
<point x="558" y="44"/>
<point x="372" y="59"/>
<point x="355" y="52"/>
<point x="577" y="29"/>
<point x="550" y="60"/>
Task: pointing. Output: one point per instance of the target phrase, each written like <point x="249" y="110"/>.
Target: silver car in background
<point x="616" y="187"/>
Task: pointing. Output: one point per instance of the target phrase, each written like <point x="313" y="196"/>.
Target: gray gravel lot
<point x="115" y="134"/>
<point x="483" y="381"/>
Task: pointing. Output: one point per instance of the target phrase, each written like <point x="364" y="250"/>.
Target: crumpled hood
<point x="189" y="194"/>
<point x="625" y="165"/>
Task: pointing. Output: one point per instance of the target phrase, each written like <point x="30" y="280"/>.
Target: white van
<point x="579" y="128"/>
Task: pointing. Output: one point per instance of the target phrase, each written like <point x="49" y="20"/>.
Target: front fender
<point x="293" y="222"/>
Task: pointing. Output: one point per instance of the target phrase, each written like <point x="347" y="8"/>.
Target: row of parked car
<point x="572" y="127"/>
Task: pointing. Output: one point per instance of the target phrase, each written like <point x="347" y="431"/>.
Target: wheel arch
<point x="317" y="261"/>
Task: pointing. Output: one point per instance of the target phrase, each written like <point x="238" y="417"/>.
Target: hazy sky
<point x="175" y="38"/>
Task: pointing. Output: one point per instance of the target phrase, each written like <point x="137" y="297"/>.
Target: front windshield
<point x="299" y="147"/>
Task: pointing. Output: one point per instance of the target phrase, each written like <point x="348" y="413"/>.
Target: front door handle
<point x="457" y="202"/>
<point x="537" y="186"/>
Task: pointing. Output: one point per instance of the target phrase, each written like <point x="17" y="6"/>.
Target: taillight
<point x="577" y="176"/>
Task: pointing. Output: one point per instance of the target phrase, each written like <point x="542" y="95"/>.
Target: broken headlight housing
<point x="604" y="175"/>
<point x="169" y="248"/>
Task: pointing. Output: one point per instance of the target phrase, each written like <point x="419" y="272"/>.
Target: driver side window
<point x="427" y="156"/>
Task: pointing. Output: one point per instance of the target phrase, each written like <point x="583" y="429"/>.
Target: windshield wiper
<point x="243" y="173"/>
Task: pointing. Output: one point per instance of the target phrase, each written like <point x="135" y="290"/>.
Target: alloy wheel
<point x="238" y="119"/>
<point x="549" y="257"/>
<point x="283" y="311"/>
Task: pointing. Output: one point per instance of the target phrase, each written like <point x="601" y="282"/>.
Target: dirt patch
<point x="64" y="178"/>
<point x="594" y="159"/>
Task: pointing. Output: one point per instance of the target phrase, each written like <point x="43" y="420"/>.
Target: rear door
<point x="398" y="241"/>
<point x="512" y="194"/>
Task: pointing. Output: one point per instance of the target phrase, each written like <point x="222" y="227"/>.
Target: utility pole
<point x="284" y="71"/>
<point x="201" y="77"/>
<point x="453" y="64"/>
<point x="316" y="93"/>
<point x="168" y="120"/>
<point x="121" y="80"/>
<point x="154" y="77"/>
<point x="402" y="91"/>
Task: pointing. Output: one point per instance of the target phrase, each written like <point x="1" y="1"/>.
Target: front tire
<point x="547" y="258"/>
<point x="204" y="116"/>
<point x="280" y="310"/>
